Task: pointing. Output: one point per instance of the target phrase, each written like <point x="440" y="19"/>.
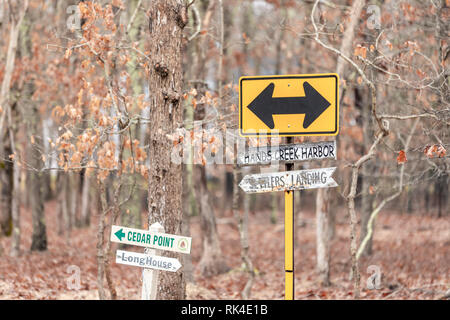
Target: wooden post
<point x="150" y="276"/>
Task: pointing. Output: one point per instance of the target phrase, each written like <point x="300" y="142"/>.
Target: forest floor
<point x="412" y="252"/>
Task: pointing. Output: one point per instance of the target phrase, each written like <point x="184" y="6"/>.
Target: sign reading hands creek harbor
<point x="145" y="238"/>
<point x="289" y="153"/>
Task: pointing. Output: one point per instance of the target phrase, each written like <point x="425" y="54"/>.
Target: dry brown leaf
<point x="401" y="158"/>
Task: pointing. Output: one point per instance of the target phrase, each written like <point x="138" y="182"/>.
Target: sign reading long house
<point x="147" y="261"/>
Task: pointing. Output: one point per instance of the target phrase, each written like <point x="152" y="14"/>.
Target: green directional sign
<point x="149" y="239"/>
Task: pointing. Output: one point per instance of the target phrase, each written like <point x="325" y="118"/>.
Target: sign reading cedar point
<point x="145" y="238"/>
<point x="289" y="105"/>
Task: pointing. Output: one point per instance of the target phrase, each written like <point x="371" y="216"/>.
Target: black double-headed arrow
<point x="264" y="106"/>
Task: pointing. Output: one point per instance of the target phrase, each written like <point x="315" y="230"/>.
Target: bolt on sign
<point x="289" y="180"/>
<point x="289" y="105"/>
<point x="145" y="238"/>
<point x="288" y="153"/>
<point x="147" y="261"/>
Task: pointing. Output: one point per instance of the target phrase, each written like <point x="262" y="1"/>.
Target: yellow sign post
<point x="289" y="244"/>
<point x="289" y="105"/>
<point x="289" y="291"/>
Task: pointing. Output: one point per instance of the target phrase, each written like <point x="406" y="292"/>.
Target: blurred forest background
<point x="98" y="98"/>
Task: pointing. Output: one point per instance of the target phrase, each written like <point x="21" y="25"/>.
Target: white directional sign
<point x="149" y="239"/>
<point x="146" y="261"/>
<point x="289" y="153"/>
<point x="289" y="180"/>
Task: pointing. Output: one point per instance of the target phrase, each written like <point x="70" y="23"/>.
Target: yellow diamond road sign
<point x="289" y="105"/>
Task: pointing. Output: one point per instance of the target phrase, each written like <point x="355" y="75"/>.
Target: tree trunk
<point x="345" y="49"/>
<point x="60" y="216"/>
<point x="427" y="199"/>
<point x="34" y="129"/>
<point x="189" y="203"/>
<point x="62" y="207"/>
<point x="132" y="216"/>
<point x="362" y="103"/>
<point x="166" y="22"/>
<point x="226" y="75"/>
<point x="101" y="243"/>
<point x="85" y="215"/>
<point x="9" y="113"/>
<point x="442" y="194"/>
<point x="15" y="197"/>
<point x="242" y="223"/>
<point x="409" y="199"/>
<point x="67" y="202"/>
<point x="5" y="89"/>
<point x="6" y="191"/>
<point x="246" y="292"/>
<point x="332" y="214"/>
<point x="323" y="237"/>
<point x="228" y="192"/>
<point x="15" y="212"/>
<point x="274" y="207"/>
<point x="186" y="231"/>
<point x="74" y="192"/>
<point x="64" y="225"/>
<point x="212" y="261"/>
<point x="39" y="236"/>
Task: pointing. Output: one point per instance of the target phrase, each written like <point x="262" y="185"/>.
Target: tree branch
<point x="375" y="212"/>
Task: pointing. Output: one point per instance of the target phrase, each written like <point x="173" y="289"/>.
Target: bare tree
<point x="32" y="118"/>
<point x="323" y="195"/>
<point x="212" y="261"/>
<point x="242" y="222"/>
<point x="16" y="16"/>
<point x="166" y="22"/>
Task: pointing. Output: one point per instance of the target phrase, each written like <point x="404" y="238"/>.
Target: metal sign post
<point x="288" y="106"/>
<point x="289" y="237"/>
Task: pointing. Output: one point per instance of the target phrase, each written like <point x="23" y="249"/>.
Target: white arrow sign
<point x="146" y="261"/>
<point x="149" y="239"/>
<point x="289" y="180"/>
<point x="289" y="153"/>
